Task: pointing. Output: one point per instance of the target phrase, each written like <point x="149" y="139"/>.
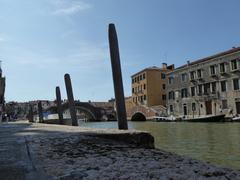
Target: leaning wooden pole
<point x="40" y="112"/>
<point x="59" y="105"/>
<point x="117" y="77"/>
<point x="71" y="102"/>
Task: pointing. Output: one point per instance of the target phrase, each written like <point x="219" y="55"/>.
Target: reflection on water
<point x="218" y="143"/>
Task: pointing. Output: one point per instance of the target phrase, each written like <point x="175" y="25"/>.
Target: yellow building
<point x="149" y="86"/>
<point x="129" y="103"/>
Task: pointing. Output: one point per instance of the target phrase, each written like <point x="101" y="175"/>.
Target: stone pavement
<point x="40" y="151"/>
<point x="15" y="159"/>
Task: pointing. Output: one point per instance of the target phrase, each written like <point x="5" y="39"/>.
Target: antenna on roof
<point x="165" y="56"/>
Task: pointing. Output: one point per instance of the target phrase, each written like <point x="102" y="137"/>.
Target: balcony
<point x="235" y="70"/>
<point x="213" y="75"/>
<point x="211" y="95"/>
<point x="223" y="73"/>
<point x="192" y="80"/>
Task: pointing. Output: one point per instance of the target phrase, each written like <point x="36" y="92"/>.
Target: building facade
<point x="209" y="86"/>
<point x="149" y="86"/>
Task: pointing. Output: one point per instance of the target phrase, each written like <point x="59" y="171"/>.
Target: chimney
<point x="188" y="63"/>
<point x="164" y="65"/>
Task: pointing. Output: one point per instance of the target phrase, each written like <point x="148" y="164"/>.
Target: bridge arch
<point x="85" y="110"/>
<point x="138" y="116"/>
<point x="88" y="112"/>
<point x="93" y="113"/>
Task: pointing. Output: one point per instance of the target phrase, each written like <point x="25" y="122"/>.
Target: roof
<point x="150" y="68"/>
<point x="209" y="58"/>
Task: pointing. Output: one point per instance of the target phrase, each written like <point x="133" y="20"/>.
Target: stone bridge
<point x="143" y="113"/>
<point x="91" y="110"/>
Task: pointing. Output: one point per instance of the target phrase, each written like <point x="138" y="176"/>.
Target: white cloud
<point x="70" y="7"/>
<point x="87" y="52"/>
<point x="86" y="56"/>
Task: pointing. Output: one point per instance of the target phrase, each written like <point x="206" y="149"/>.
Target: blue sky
<point x="40" y="41"/>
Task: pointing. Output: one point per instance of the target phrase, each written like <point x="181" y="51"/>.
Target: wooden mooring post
<point x="71" y="102"/>
<point x="59" y="105"/>
<point x="117" y="77"/>
<point x="40" y="112"/>
<point x="30" y="114"/>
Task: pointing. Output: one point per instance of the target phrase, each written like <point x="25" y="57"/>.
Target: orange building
<point x="149" y="86"/>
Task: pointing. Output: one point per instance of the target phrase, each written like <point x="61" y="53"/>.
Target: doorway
<point x="185" y="110"/>
<point x="238" y="107"/>
<point x="208" y="105"/>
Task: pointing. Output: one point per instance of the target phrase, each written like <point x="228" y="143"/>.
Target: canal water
<point x="217" y="143"/>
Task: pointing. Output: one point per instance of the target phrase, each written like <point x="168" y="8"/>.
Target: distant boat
<point x="213" y="118"/>
<point x="236" y="119"/>
<point x="163" y="119"/>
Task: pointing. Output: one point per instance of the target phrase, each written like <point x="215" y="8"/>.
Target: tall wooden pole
<point x="40" y="112"/>
<point x="71" y="102"/>
<point x="59" y="105"/>
<point x="117" y="77"/>
<point x="30" y="113"/>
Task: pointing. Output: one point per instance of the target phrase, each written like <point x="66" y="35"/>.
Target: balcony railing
<point x="235" y="70"/>
<point x="223" y="73"/>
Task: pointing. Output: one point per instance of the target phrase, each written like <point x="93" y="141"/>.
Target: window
<point x="212" y="70"/>
<point x="171" y="108"/>
<point x="236" y="84"/>
<point x="192" y="75"/>
<point x="132" y="80"/>
<point x="193" y="106"/>
<point x="132" y="90"/>
<point x="171" y="95"/>
<point x="184" y="77"/>
<point x="193" y="91"/>
<point x="200" y="89"/>
<point x="222" y="68"/>
<point x="144" y="86"/>
<point x="140" y="77"/>
<point x="137" y="78"/>
<point x="163" y="76"/>
<point x="199" y="73"/>
<point x="214" y="87"/>
<point x="234" y="64"/>
<point x="206" y="88"/>
<point x="164" y="86"/>
<point x="184" y="93"/>
<point x="144" y="97"/>
<point x="170" y="80"/>
<point x="223" y="86"/>
<point x="224" y="104"/>
<point x="144" y="76"/>
<point x="163" y="97"/>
